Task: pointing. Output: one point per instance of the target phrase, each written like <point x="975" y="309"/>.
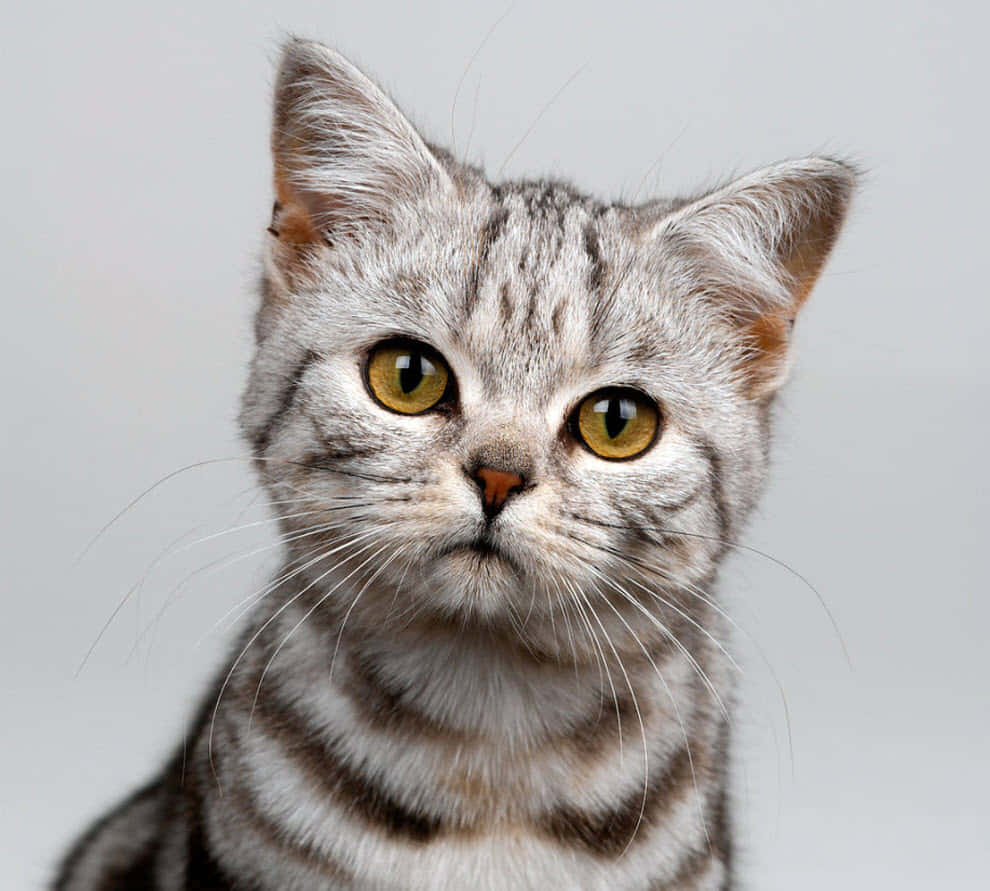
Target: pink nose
<point x="496" y="487"/>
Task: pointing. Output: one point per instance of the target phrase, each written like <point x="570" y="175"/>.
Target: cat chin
<point x="474" y="568"/>
<point x="473" y="582"/>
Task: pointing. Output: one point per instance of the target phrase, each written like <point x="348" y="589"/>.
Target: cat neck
<point x="439" y="675"/>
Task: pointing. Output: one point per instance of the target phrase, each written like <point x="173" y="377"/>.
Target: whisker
<point x="474" y="120"/>
<point x="354" y="602"/>
<point x="570" y="637"/>
<point x="596" y="644"/>
<point x="398" y="588"/>
<point x="656" y="163"/>
<point x="242" y="607"/>
<point x="673" y="638"/>
<point x="214" y="461"/>
<point x="317" y="605"/>
<point x="168" y="551"/>
<point x="680" y="721"/>
<point x="517" y="626"/>
<point x="635" y="564"/>
<point x="546" y="107"/>
<point x="639" y="714"/>
<point x="667" y="530"/>
<point x="553" y="621"/>
<point x="260" y="631"/>
<point x="670" y="635"/>
<point x="532" y="603"/>
<point x="464" y="74"/>
<point x="695" y="591"/>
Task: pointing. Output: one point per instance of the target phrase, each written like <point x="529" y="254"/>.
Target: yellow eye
<point x="617" y="423"/>
<point x="407" y="377"/>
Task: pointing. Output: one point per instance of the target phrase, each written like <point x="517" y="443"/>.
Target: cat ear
<point x="756" y="247"/>
<point x="344" y="155"/>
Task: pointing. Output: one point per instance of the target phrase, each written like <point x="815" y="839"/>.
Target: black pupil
<point x="413" y="367"/>
<point x="617" y="415"/>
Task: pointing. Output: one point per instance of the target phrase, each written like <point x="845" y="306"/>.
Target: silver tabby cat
<point x="510" y="431"/>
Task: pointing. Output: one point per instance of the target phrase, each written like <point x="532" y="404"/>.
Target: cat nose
<point x="496" y="486"/>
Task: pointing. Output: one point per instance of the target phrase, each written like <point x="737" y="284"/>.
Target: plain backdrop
<point x="135" y="187"/>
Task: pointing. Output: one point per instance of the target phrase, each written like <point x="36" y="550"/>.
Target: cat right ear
<point x="752" y="251"/>
<point x="345" y="157"/>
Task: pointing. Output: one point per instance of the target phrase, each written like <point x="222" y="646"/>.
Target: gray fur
<point x="406" y="713"/>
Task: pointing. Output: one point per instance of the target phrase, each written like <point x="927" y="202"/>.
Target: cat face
<point x="512" y="405"/>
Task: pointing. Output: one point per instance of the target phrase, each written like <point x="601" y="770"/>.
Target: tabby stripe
<point x="505" y="303"/>
<point x="140" y="874"/>
<point x="524" y="258"/>
<point x="263" y="437"/>
<point x="592" y="737"/>
<point x="321" y="462"/>
<point x="323" y="762"/>
<point x="596" y="267"/>
<point x="337" y="448"/>
<point x="716" y="491"/>
<point x="202" y="870"/>
<point x="687" y="875"/>
<point x="607" y="833"/>
<point x="382" y="707"/>
<point x="89" y="842"/>
<point x="205" y="869"/>
<point x="721" y="829"/>
<point x="534" y="303"/>
<point x="490" y="233"/>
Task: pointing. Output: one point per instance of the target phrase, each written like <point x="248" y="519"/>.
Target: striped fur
<point x="405" y="709"/>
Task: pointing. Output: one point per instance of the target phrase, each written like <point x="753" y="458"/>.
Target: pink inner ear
<point x="295" y="224"/>
<point x="344" y="155"/>
<point x="787" y="218"/>
<point x="767" y="340"/>
<point x="767" y="337"/>
<point x="805" y="257"/>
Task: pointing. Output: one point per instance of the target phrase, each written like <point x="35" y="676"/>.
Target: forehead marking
<point x="596" y="268"/>
<point x="529" y="232"/>
<point x="505" y="303"/>
<point x="489" y="234"/>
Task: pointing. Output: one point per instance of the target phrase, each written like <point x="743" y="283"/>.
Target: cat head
<point x="480" y="402"/>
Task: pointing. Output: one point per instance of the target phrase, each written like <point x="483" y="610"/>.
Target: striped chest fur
<point x="509" y="431"/>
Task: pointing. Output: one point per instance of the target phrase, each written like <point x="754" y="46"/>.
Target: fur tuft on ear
<point x="344" y="155"/>
<point x="755" y="248"/>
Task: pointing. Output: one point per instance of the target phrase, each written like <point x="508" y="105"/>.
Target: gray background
<point x="136" y="190"/>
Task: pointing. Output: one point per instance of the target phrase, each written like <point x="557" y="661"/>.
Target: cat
<point x="510" y="432"/>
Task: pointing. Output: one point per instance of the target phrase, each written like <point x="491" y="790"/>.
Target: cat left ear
<point x="755" y="248"/>
<point x="345" y="157"/>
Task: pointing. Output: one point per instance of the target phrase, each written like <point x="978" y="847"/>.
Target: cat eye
<point x="407" y="377"/>
<point x="617" y="423"/>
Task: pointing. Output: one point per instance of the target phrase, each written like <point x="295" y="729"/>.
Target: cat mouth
<point x="482" y="547"/>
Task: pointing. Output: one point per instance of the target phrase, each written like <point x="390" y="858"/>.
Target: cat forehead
<point x="534" y="292"/>
<point x="530" y="290"/>
<point x="545" y="290"/>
